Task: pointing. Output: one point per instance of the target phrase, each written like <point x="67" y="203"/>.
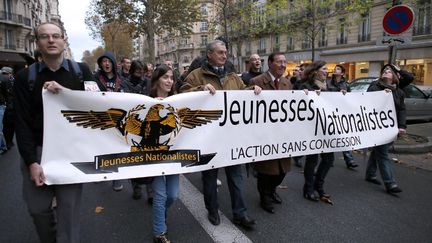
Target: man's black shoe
<point x="394" y="189"/>
<point x="276" y="198"/>
<point x="373" y="180"/>
<point x="214" y="218"/>
<point x="352" y="165"/>
<point x="245" y="222"/>
<point x="267" y="207"/>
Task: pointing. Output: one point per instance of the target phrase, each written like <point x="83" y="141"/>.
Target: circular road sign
<point x="398" y="19"/>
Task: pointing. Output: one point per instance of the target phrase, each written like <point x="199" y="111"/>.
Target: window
<point x="9" y="40"/>
<point x="306" y="42"/>
<point x="342" y="33"/>
<point x="262" y="46"/>
<point x="423" y="21"/>
<point x="204" y="40"/>
<point x="248" y="48"/>
<point x="204" y="27"/>
<point x="7" y="4"/>
<point x="364" y="28"/>
<point x="204" y="9"/>
<point x="290" y="45"/>
<point x="322" y="36"/>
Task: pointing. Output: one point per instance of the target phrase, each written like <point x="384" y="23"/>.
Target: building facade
<point x="182" y="49"/>
<point x="350" y="39"/>
<point x="17" y="21"/>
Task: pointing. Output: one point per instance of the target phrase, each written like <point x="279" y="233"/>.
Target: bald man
<point x="254" y="69"/>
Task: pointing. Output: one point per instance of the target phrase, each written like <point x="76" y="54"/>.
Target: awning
<point x="12" y="58"/>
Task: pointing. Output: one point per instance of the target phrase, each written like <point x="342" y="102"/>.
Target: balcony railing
<point x="363" y="38"/>
<point x="341" y="40"/>
<point x="422" y="30"/>
<point x="306" y="45"/>
<point x="276" y="49"/>
<point x="186" y="46"/>
<point x="10" y="47"/>
<point x="261" y="51"/>
<point x="17" y="18"/>
<point x="322" y="43"/>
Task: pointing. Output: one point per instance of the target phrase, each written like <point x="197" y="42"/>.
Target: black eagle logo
<point x="150" y="129"/>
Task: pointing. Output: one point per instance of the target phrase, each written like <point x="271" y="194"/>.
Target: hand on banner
<point x="402" y="130"/>
<point x="257" y="89"/>
<point x="53" y="87"/>
<point x="37" y="174"/>
<point x="306" y="91"/>
<point x="388" y="90"/>
<point x="318" y="92"/>
<point x="210" y="88"/>
<point x="343" y="91"/>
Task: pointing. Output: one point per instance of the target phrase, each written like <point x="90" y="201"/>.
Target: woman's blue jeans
<point x="379" y="159"/>
<point x="165" y="192"/>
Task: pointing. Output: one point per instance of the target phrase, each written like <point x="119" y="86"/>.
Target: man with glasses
<point x="54" y="73"/>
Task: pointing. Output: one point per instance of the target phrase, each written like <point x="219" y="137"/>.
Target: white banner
<point x="90" y="136"/>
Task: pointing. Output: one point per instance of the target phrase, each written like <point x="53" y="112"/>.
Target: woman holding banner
<point x="392" y="79"/>
<point x="165" y="188"/>
<point x="315" y="76"/>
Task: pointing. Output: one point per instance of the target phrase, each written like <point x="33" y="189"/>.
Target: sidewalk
<point x="419" y="155"/>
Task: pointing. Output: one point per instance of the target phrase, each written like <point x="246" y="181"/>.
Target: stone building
<point x="17" y="21"/>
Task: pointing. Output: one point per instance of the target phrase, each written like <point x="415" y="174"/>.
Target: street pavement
<point x="363" y="212"/>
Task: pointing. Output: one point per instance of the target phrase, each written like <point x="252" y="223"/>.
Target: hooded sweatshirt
<point x="111" y="84"/>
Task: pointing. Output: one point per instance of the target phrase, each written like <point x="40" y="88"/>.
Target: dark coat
<point x="271" y="167"/>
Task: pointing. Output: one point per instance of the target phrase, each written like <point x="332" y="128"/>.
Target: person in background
<point x="165" y="188"/>
<point x="315" y="80"/>
<point x="338" y="83"/>
<point x="4" y="78"/>
<point x="138" y="85"/>
<point x="7" y="83"/>
<point x="392" y="79"/>
<point x="148" y="71"/>
<point x="125" y="66"/>
<point x="111" y="80"/>
<point x="254" y="69"/>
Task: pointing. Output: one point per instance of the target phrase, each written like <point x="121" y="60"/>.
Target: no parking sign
<point x="398" y="19"/>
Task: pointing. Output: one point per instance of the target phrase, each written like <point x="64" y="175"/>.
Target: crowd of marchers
<point x="55" y="209"/>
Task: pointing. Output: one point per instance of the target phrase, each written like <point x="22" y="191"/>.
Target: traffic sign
<point x="398" y="19"/>
<point x="393" y="40"/>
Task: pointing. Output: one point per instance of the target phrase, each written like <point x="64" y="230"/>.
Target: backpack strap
<point x="32" y="72"/>
<point x="76" y="69"/>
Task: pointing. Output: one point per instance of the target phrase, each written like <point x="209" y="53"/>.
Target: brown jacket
<point x="198" y="78"/>
<point x="271" y="167"/>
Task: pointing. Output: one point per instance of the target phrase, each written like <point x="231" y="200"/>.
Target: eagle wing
<point x="97" y="119"/>
<point x="192" y="118"/>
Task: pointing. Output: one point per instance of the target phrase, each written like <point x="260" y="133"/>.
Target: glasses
<point x="53" y="36"/>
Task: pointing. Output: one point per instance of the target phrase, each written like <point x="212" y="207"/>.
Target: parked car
<point x="418" y="103"/>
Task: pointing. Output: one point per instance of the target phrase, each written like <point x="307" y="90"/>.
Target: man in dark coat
<point x="254" y="69"/>
<point x="270" y="174"/>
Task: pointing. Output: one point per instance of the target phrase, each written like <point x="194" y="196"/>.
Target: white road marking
<point x="193" y="199"/>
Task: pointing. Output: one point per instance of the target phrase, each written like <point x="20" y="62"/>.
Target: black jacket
<point x="29" y="107"/>
<point x="333" y="85"/>
<point x="398" y="94"/>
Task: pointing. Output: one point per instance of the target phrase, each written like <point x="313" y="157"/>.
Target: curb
<point x="413" y="149"/>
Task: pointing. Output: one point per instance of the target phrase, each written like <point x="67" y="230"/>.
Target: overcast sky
<point x="72" y="14"/>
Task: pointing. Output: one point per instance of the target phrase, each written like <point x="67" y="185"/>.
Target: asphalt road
<point x="363" y="212"/>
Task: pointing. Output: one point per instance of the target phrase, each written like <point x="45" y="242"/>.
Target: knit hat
<point x="393" y="67"/>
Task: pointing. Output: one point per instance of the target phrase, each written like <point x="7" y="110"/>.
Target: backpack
<point x="34" y="68"/>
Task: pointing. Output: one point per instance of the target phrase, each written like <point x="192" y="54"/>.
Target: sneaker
<point x="218" y="182"/>
<point x="352" y="165"/>
<point x="117" y="186"/>
<point x="162" y="238"/>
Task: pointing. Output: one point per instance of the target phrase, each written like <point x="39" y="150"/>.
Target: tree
<point x="312" y="17"/>
<point x="90" y="57"/>
<point x="149" y="17"/>
<point x="116" y="34"/>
